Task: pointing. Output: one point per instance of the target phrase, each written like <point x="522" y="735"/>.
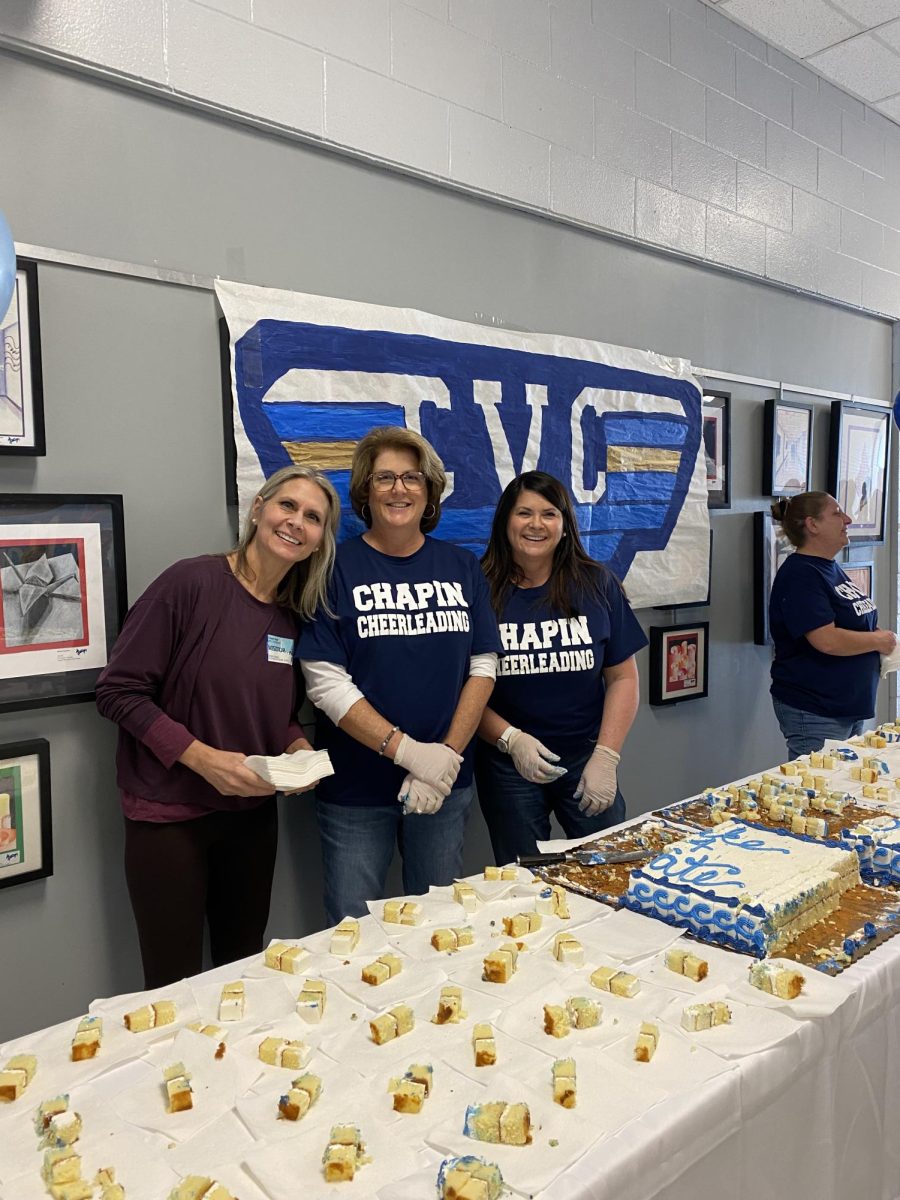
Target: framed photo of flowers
<point x="26" y="836"/>
<point x="62" y="595"/>
<point x="679" y="662"/>
<point x="858" y="467"/>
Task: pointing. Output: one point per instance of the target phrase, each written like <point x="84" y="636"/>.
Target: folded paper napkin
<point x="290" y="771"/>
<point x="890" y="662"/>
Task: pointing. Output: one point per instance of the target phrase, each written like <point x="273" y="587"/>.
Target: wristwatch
<point x="504" y="739"/>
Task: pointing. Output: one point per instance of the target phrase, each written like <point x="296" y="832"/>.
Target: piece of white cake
<point x="231" y="1002"/>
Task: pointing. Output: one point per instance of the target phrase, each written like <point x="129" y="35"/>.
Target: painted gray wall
<point x="133" y="406"/>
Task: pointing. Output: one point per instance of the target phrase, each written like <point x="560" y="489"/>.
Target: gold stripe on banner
<point x="642" y="458"/>
<point x="327" y="456"/>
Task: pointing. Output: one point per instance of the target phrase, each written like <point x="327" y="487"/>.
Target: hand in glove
<point x="597" y="786"/>
<point x="532" y="759"/>
<point x="429" y="762"/>
<point x="418" y="797"/>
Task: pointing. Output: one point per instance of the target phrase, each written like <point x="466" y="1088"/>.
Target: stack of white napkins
<point x="287" y="772"/>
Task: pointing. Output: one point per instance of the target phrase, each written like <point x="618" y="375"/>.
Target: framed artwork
<point x="21" y="380"/>
<point x="858" y="467"/>
<point x="679" y="662"/>
<point x="787" y="448"/>
<point x="26" y="836"/>
<point x="770" y="549"/>
<point x="696" y="603"/>
<point x="862" y="576"/>
<point x="62" y="595"/>
<point x="717" y="448"/>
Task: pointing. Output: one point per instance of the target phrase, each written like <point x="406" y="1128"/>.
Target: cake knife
<point x="584" y="858"/>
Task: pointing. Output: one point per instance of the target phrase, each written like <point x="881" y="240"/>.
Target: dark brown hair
<point x="395" y="437"/>
<point x="791" y="513"/>
<point x="574" y="576"/>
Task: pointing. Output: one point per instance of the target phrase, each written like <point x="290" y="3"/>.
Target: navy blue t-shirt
<point x="810" y="592"/>
<point x="405" y="631"/>
<point x="550" y="674"/>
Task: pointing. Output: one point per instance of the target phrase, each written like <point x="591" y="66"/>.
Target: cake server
<point x="584" y="858"/>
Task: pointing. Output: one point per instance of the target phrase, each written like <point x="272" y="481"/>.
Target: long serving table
<point x="796" y="1099"/>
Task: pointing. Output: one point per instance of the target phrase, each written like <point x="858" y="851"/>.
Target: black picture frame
<point x="694" y="603"/>
<point x="21" y="371"/>
<point x="676" y="674"/>
<point x="68" y="553"/>
<point x="26" y="852"/>
<point x="231" y="487"/>
<point x="716" y="415"/>
<point x="861" y="573"/>
<point x="770" y="549"/>
<point x="858" y="462"/>
<point x="787" y="447"/>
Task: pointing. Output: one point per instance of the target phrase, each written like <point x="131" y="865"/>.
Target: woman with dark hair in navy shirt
<point x="567" y="682"/>
<point x="826" y="635"/>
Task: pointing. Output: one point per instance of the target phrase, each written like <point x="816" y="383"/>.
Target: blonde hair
<point x="791" y="513"/>
<point x="393" y="437"/>
<point x="303" y="590"/>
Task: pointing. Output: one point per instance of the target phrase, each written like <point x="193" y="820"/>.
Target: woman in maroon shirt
<point x="201" y="677"/>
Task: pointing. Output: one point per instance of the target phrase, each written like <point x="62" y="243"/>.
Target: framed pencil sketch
<point x="21" y="379"/>
<point x="679" y="662"/>
<point x="717" y="447"/>
<point x="787" y="448"/>
<point x="26" y="835"/>
<point x="858" y="467"/>
<point x="862" y="576"/>
<point x="770" y="549"/>
<point x="696" y="603"/>
<point x="62" y="595"/>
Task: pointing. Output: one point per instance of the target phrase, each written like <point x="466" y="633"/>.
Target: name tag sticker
<point x="281" y="649"/>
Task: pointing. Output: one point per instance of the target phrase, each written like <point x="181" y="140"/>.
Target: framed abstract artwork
<point x="21" y="378"/>
<point x="26" y="835"/>
<point x="62" y="595"/>
<point x="858" y="467"/>
<point x="679" y="662"/>
<point x="787" y="448"/>
<point x="770" y="549"/>
<point x="717" y="447"/>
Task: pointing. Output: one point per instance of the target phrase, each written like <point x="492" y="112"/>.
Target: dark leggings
<point x="218" y="868"/>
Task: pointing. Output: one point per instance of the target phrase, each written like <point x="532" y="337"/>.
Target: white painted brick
<point x="497" y="159"/>
<point x="838" y="277"/>
<point x="579" y="9"/>
<point x="520" y="27"/>
<point x="862" y="144"/>
<point x="643" y="24"/>
<point x="877" y="120"/>
<point x="584" y="55"/>
<point x="383" y="117"/>
<point x="447" y="62"/>
<point x="439" y="9"/>
<point x="223" y="60"/>
<point x="891" y="251"/>
<point x="702" y="54"/>
<point x="790" y="67"/>
<point x="590" y="191"/>
<point x="547" y="106"/>
<point x="881" y="291"/>
<point x="817" y="119"/>
<point x="842" y="99"/>
<point x="735" y="241"/>
<point x="234" y="8"/>
<point x="704" y="173"/>
<point x="791" y="157"/>
<point x="762" y="198"/>
<point x="666" y="95"/>
<point x="631" y="143"/>
<point x="861" y="238"/>
<point x="763" y="89"/>
<point x="736" y="34"/>
<point x="840" y="180"/>
<point x="668" y="219"/>
<point x="817" y="220"/>
<point x="881" y="200"/>
<point x="735" y="129"/>
<point x="124" y="37"/>
<point x="791" y="260"/>
<point x="892" y="158"/>
<point x="357" y="30"/>
<point x="695" y="9"/>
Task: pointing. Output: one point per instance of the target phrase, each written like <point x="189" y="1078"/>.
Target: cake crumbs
<point x="220" y="1050"/>
<point x="554" y="1142"/>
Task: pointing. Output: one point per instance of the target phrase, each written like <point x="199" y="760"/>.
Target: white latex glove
<point x="430" y="762"/>
<point x="532" y="759"/>
<point x="418" y="797"/>
<point x="597" y="786"/>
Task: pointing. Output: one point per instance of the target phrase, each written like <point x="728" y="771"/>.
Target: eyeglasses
<point x="385" y="480"/>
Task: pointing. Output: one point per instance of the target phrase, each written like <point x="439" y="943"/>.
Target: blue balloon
<point x="7" y="266"/>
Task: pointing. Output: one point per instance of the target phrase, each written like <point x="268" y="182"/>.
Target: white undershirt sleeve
<point x="330" y="688"/>
<point x="484" y="665"/>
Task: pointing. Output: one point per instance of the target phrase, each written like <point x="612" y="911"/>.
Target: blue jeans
<point x="358" y="845"/>
<point x="806" y="731"/>
<point x="518" y="812"/>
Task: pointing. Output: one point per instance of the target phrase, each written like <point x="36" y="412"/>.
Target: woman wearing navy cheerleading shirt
<point x="826" y="635"/>
<point x="401" y="678"/>
<point x="567" y="681"/>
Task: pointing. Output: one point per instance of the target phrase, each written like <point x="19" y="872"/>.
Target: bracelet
<point x="598" y="749"/>
<point x="384" y="744"/>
